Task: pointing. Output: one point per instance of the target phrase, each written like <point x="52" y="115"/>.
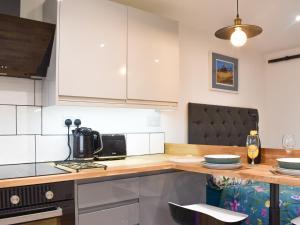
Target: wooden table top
<point x="259" y="172"/>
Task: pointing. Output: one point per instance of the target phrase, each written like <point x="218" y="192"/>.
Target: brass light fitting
<point x="250" y="30"/>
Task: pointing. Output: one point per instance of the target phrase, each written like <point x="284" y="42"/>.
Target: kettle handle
<point x="98" y="137"/>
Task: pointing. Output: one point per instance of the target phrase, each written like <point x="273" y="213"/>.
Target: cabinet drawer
<point x="107" y="192"/>
<point x="123" y="215"/>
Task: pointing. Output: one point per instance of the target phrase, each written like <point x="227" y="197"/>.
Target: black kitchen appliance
<point x="38" y="204"/>
<point x="26" y="44"/>
<point x="86" y="143"/>
<point x="28" y="170"/>
<point x="114" y="147"/>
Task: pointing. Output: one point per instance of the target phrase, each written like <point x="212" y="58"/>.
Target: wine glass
<point x="288" y="142"/>
<point x="253" y="147"/>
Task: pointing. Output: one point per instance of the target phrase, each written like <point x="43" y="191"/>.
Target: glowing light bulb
<point x="297" y="18"/>
<point x="238" y="37"/>
<point x="123" y="71"/>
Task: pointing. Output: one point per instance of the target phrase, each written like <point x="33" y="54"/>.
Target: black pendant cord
<point x="237" y="9"/>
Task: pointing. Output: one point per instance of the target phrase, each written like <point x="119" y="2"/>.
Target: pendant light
<point x="238" y="33"/>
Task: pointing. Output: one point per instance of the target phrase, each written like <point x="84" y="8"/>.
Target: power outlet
<point x="68" y="117"/>
<point x="68" y="122"/>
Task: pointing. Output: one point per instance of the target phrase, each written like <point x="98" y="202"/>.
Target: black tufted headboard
<point x="220" y="125"/>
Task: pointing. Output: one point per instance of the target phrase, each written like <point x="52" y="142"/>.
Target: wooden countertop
<point x="152" y="163"/>
<point x="131" y="165"/>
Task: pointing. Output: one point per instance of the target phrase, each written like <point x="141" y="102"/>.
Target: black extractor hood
<point x="25" y="45"/>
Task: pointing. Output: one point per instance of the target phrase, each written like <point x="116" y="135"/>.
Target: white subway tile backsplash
<point x="7" y="120"/>
<point x="17" y="149"/>
<point x="16" y="91"/>
<point x="51" y="148"/>
<point x="29" y="120"/>
<point x="22" y="116"/>
<point x="105" y="120"/>
<point x="137" y="144"/>
<point x="157" y="143"/>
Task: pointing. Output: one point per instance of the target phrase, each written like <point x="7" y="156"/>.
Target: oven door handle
<point x="32" y="217"/>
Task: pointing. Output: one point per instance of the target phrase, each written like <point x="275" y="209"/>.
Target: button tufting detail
<point x="220" y="125"/>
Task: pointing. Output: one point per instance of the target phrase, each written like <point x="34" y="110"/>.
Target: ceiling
<point x="277" y="17"/>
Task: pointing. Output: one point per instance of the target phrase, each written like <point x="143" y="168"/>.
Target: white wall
<point x="194" y="72"/>
<point x="32" y="9"/>
<point x="282" y="103"/>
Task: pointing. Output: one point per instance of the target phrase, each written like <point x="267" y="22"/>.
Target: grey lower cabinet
<point x="141" y="200"/>
<point x="157" y="190"/>
<point x="107" y="193"/>
<point x="122" y="215"/>
<point x="109" y="202"/>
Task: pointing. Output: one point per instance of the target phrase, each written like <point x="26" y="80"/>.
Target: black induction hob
<point x="28" y="170"/>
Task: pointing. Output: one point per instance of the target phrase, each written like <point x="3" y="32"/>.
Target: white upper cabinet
<point x="153" y="57"/>
<point x="108" y="53"/>
<point x="92" y="49"/>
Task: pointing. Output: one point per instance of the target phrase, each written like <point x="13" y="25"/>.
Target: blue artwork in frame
<point x="224" y="74"/>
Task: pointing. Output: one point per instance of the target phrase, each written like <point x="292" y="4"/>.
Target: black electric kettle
<point x="86" y="143"/>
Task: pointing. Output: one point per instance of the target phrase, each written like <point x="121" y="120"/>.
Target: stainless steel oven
<point x="45" y="204"/>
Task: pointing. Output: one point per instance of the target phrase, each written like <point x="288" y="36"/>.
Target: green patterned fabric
<point x="252" y="198"/>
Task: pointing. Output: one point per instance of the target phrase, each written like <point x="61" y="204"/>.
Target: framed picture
<point x="225" y="73"/>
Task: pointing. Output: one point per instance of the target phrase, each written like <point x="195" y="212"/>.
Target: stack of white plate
<point x="222" y="162"/>
<point x="289" y="166"/>
<point x="188" y="159"/>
